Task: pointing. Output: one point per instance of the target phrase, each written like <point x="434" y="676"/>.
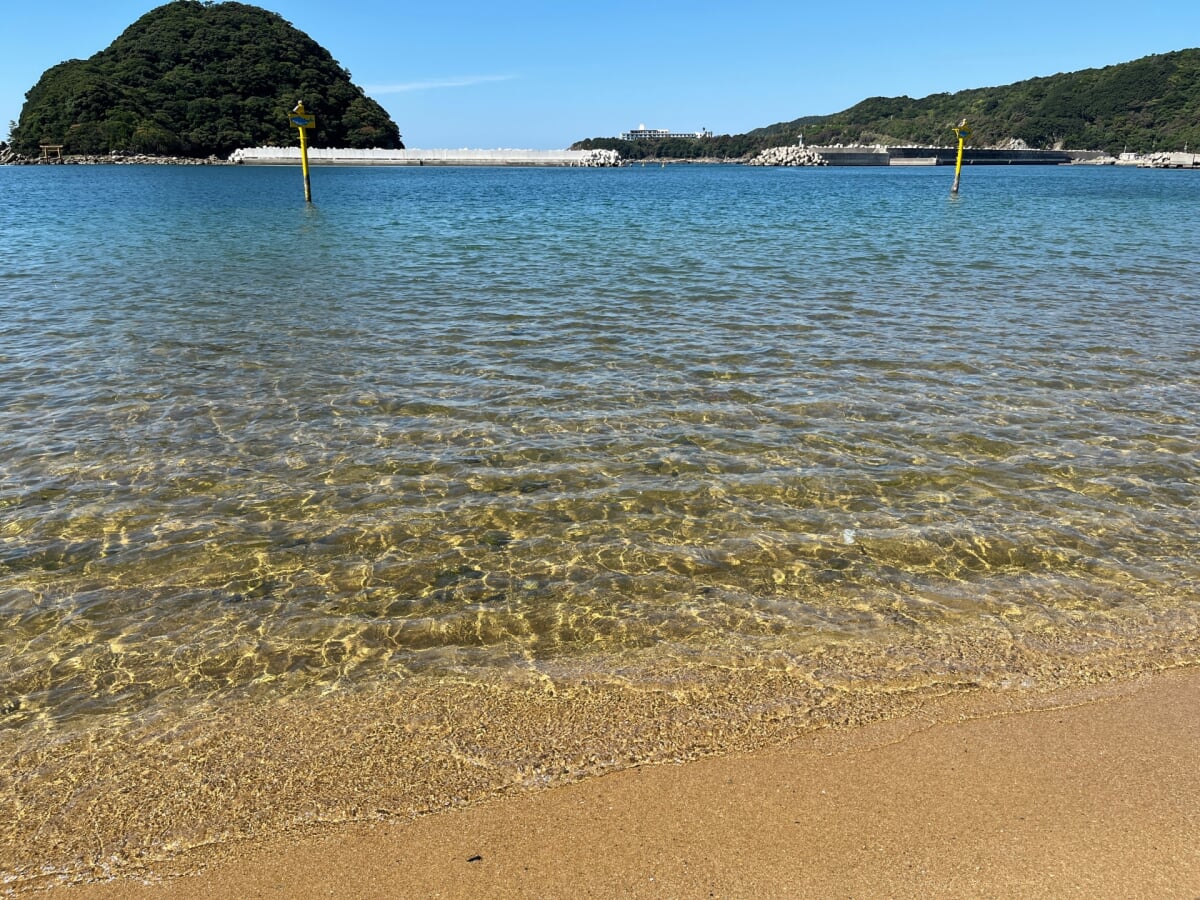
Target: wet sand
<point x="1088" y="793"/>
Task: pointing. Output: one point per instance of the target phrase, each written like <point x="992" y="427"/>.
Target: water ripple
<point x="472" y="419"/>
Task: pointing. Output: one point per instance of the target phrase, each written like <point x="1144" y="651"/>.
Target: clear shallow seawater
<point x="535" y="473"/>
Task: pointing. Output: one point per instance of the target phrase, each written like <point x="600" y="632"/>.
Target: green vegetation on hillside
<point x="722" y="146"/>
<point x="198" y="78"/>
<point x="1148" y="104"/>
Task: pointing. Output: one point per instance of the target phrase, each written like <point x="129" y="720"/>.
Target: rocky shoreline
<point x="774" y="156"/>
<point x="9" y="157"/>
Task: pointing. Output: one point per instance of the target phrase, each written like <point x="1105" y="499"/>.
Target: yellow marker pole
<point x="963" y="133"/>
<point x="301" y="121"/>
<point x="304" y="164"/>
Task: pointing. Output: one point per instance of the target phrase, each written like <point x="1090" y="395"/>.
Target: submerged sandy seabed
<point x="1087" y="792"/>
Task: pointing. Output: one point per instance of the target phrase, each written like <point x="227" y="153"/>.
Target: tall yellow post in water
<point x="963" y="133"/>
<point x="301" y="121"/>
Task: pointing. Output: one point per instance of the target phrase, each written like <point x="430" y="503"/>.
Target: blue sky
<point x="534" y="74"/>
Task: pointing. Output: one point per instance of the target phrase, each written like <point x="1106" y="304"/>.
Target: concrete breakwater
<point x="977" y="156"/>
<point x="1171" y="161"/>
<point x="905" y="156"/>
<point x="290" y="156"/>
<point x="822" y="156"/>
<point x="788" y="156"/>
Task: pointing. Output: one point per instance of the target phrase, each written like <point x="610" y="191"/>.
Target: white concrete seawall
<point x="290" y="156"/>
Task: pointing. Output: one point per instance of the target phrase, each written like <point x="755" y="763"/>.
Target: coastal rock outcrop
<point x="9" y="158"/>
<point x="788" y="156"/>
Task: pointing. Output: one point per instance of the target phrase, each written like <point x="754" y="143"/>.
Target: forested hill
<point x="1148" y="104"/>
<point x="198" y="78"/>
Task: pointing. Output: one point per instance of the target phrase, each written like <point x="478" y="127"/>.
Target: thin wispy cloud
<point x="408" y="86"/>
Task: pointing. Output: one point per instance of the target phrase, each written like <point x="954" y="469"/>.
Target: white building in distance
<point x="642" y="133"/>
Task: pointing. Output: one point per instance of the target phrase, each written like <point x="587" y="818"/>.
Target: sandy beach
<point x="1093" y="792"/>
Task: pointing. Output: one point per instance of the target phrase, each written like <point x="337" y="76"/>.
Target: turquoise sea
<point x="467" y="481"/>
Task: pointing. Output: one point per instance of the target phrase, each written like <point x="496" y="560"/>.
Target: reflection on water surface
<point x="715" y="447"/>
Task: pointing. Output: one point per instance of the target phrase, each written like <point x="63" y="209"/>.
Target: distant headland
<point x="1148" y="106"/>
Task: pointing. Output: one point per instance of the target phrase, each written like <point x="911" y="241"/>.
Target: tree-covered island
<point x="196" y="79"/>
